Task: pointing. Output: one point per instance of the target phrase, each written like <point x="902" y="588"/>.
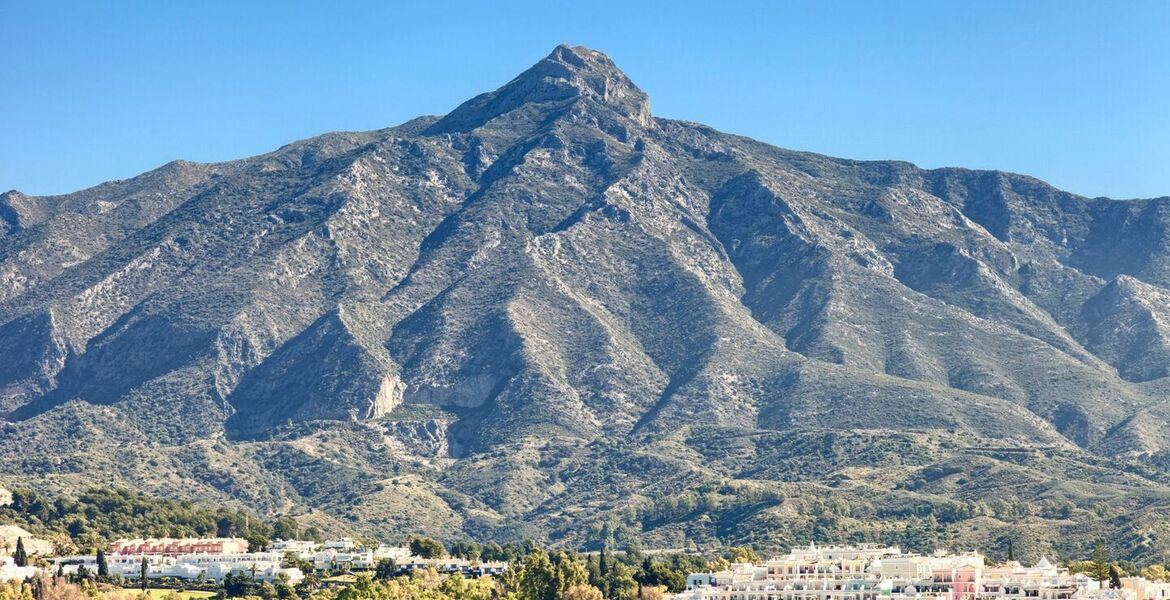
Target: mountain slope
<point x="550" y="314"/>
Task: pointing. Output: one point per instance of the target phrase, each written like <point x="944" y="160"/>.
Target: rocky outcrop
<point x="323" y="373"/>
<point x="1128" y="325"/>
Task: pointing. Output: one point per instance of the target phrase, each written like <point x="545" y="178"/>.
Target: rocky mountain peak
<point x="546" y="310"/>
<point x="566" y="76"/>
<point x="9" y="216"/>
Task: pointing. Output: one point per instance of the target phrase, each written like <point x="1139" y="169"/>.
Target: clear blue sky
<point x="1075" y="93"/>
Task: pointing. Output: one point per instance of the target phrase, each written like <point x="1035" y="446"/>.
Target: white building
<point x="1043" y="580"/>
<point x="9" y="570"/>
<point x="885" y="573"/>
<point x="359" y="559"/>
<point x="1144" y="589"/>
<point x="451" y="565"/>
<point x="265" y="566"/>
<point x="301" y="548"/>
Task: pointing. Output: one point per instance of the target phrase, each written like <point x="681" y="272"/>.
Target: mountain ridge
<point x="550" y="313"/>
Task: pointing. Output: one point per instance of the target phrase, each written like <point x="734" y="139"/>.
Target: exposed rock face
<point x="1128" y="325"/>
<point x="423" y="438"/>
<point x="549" y="305"/>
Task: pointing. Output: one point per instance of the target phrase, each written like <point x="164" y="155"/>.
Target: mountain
<point x="550" y="314"/>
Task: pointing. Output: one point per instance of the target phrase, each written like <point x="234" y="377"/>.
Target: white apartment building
<point x="265" y="566"/>
<point x="886" y="573"/>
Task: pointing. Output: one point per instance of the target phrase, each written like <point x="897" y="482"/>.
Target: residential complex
<point x="176" y="547"/>
<point x="213" y="559"/>
<point x="264" y="566"/>
<point x="871" y="572"/>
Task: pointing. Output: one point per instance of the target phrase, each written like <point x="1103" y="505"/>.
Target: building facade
<point x="175" y="547"/>
<point x="872" y="572"/>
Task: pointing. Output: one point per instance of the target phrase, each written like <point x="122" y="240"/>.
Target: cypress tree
<point x="594" y="571"/>
<point x="20" y="557"/>
<point x="103" y="568"/>
<point x="142" y="573"/>
<point x="1011" y="551"/>
<point x="603" y="567"/>
<point x="1114" y="578"/>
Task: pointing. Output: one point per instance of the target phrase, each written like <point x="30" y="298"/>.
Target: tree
<point x="582" y="592"/>
<point x="385" y="569"/>
<point x="103" y="568"/>
<point x="465" y="549"/>
<point x="538" y="577"/>
<point x="238" y="585"/>
<point x="313" y="534"/>
<point x="593" y="570"/>
<point x="602" y="582"/>
<point x="286" y="528"/>
<point x="1100" y="562"/>
<point x="1114" y="578"/>
<point x="743" y="554"/>
<point x="1156" y="573"/>
<point x="89" y="540"/>
<point x="143" y="574"/>
<point x="494" y="551"/>
<point x="569" y="573"/>
<point x="621" y="583"/>
<point x="63" y="545"/>
<point x="1011" y="551"/>
<point x="293" y="560"/>
<point x="458" y="587"/>
<point x="425" y="547"/>
<point x="653" y="592"/>
<point x="311" y="583"/>
<point x="256" y="542"/>
<point x="656" y="574"/>
<point x="20" y="557"/>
